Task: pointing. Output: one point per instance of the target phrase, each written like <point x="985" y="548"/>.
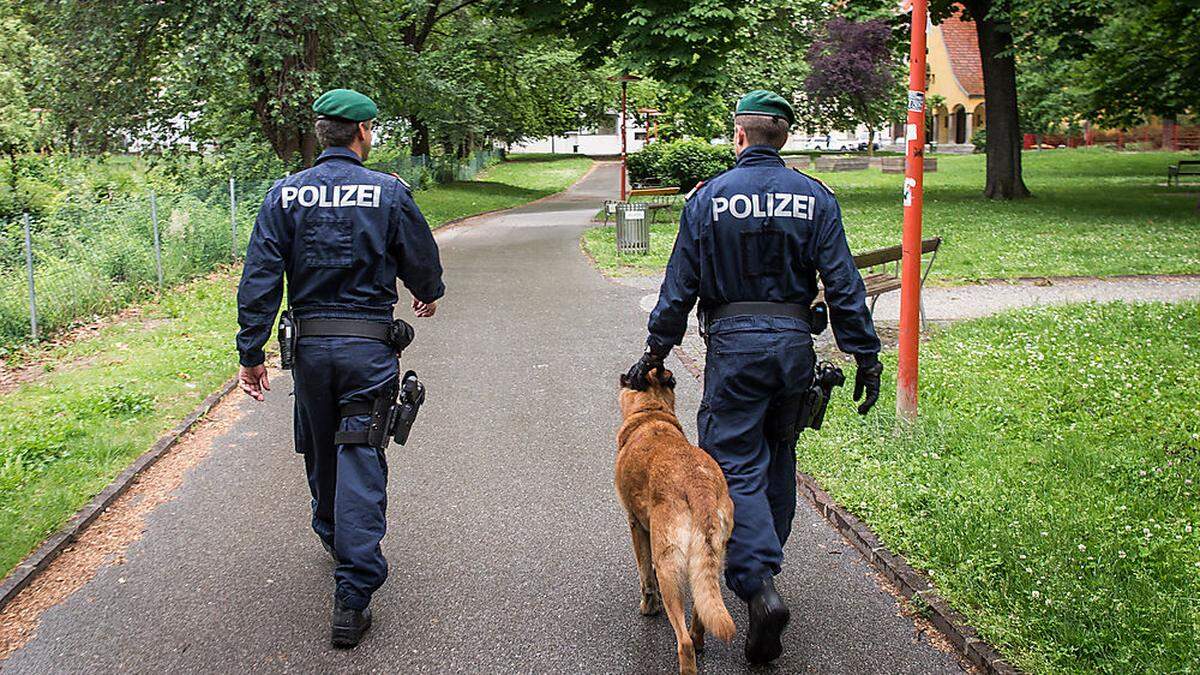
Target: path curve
<point x="508" y="550"/>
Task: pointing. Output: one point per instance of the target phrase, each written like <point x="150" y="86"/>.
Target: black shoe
<point x="768" y="617"/>
<point x="349" y="625"/>
<point x="332" y="553"/>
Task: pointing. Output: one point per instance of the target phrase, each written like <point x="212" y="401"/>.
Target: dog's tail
<point x="710" y="531"/>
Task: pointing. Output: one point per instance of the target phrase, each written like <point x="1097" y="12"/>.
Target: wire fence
<point x="87" y="260"/>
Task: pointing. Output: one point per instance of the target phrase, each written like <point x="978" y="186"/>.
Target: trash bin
<point x="633" y="229"/>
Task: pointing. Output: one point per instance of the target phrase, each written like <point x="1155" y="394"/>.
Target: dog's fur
<point x="679" y="512"/>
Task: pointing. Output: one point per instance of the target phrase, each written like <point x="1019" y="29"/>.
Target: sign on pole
<point x="914" y="181"/>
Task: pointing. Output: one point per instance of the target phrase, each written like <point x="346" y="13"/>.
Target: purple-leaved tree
<point x="852" y="79"/>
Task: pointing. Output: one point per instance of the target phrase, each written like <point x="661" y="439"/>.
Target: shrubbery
<point x="682" y="162"/>
<point x="979" y="140"/>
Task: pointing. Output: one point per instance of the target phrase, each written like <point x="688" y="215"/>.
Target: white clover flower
<point x="1121" y="554"/>
<point x="1038" y="594"/>
<point x="1082" y="548"/>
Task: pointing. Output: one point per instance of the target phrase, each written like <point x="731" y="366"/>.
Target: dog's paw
<point x="651" y="604"/>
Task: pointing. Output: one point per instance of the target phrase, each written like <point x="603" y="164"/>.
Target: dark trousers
<point x="753" y="364"/>
<point x="348" y="482"/>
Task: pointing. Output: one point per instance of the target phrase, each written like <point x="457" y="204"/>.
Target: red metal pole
<point x="624" y="135"/>
<point x="914" y="182"/>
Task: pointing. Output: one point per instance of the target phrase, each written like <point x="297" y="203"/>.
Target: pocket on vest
<point x="328" y="241"/>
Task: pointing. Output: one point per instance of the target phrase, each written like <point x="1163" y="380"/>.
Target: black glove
<point x="637" y="377"/>
<point x="866" y="379"/>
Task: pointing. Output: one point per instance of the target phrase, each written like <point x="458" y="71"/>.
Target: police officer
<point x="751" y="243"/>
<point x="341" y="234"/>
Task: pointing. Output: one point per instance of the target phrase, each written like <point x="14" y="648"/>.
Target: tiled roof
<point x="963" y="45"/>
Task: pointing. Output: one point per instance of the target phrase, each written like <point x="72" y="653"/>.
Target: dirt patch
<point x="106" y="540"/>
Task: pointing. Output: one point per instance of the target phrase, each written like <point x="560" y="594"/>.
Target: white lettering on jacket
<point x="330" y="196"/>
<point x="765" y="205"/>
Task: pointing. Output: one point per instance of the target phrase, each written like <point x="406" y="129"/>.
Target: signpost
<point x="914" y="179"/>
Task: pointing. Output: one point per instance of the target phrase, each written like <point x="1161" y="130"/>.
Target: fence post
<point x="232" y="221"/>
<point x="157" y="244"/>
<point x="33" y="327"/>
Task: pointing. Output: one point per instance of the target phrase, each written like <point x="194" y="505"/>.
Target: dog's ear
<point x="624" y="380"/>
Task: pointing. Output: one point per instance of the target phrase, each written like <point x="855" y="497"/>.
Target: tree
<point x="852" y="76"/>
<point x="1144" y="60"/>
<point x="994" y="28"/>
<point x="682" y="43"/>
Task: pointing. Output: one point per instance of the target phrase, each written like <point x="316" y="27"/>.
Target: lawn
<point x="1094" y="212"/>
<point x="104" y="400"/>
<point x="522" y="179"/>
<point x="1051" y="487"/>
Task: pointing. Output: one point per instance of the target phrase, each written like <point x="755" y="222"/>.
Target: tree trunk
<point x="1169" y="134"/>
<point x="870" y="141"/>
<point x="420" y="136"/>
<point x="1000" y="90"/>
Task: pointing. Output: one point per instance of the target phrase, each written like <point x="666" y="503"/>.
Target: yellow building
<point x="955" y="74"/>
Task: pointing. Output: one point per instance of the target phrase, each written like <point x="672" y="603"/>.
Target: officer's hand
<point x="638" y="376"/>
<point x="424" y="310"/>
<point x="866" y="379"/>
<point x="253" y="380"/>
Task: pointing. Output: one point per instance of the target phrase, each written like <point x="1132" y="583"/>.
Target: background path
<point x="508" y="550"/>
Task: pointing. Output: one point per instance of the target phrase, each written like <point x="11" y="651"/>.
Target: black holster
<point x="392" y="412"/>
<point x="287" y="340"/>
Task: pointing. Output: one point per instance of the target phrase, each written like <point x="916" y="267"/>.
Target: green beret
<point x="345" y="104"/>
<point x="763" y="102"/>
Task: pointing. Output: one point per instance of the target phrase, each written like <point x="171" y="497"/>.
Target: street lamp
<point x="624" y="80"/>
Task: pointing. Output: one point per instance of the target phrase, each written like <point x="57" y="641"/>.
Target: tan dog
<point x="679" y="512"/>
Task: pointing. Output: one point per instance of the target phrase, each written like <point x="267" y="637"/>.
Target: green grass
<point x="522" y="179"/>
<point x="1094" y="212"/>
<point x="1051" y="486"/>
<point x="64" y="436"/>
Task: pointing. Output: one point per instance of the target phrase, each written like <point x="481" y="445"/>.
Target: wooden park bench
<point x="657" y="198"/>
<point x="1185" y="167"/>
<point x="881" y="270"/>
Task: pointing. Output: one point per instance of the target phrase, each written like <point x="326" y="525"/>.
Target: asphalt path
<point x="509" y="552"/>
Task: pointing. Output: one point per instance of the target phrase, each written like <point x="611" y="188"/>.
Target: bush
<point x="683" y="162"/>
<point x="686" y="163"/>
<point x="645" y="165"/>
<point x="979" y="140"/>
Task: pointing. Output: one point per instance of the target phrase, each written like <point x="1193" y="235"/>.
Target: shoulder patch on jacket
<point x="693" y="191"/>
<point x="402" y="182"/>
<point x="821" y="182"/>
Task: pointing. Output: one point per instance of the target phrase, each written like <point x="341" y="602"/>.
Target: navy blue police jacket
<point x="761" y="232"/>
<point x="341" y="234"/>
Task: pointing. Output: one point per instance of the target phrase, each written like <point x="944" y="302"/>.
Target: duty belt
<point x="793" y="310"/>
<point x="361" y="328"/>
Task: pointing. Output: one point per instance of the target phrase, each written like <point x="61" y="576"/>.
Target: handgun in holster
<point x="806" y="410"/>
<point x="392" y="414"/>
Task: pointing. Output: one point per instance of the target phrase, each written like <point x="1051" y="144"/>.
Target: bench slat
<point x="652" y="192"/>
<point x="881" y="256"/>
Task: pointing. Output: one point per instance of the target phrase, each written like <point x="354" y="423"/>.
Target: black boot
<point x="349" y="625"/>
<point x="768" y="617"/>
